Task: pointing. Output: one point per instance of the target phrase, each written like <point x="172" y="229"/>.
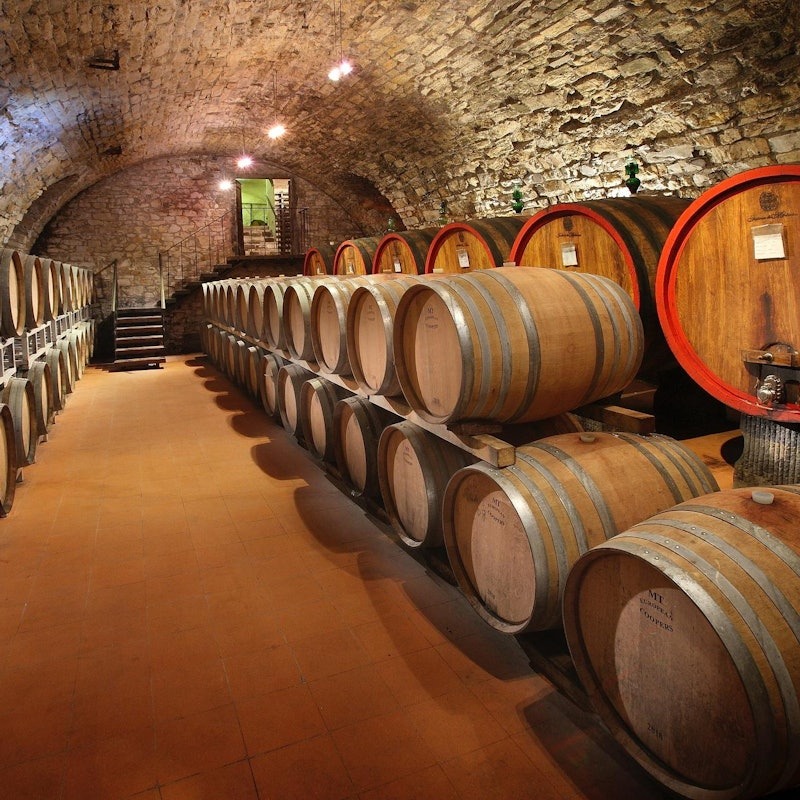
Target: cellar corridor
<point x="191" y="609"/>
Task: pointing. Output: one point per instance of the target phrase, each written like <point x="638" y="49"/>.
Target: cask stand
<point x="493" y="443"/>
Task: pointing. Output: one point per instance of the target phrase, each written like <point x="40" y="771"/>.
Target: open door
<point x="263" y="209"/>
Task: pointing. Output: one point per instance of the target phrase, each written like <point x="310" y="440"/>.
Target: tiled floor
<point x="190" y="609"/>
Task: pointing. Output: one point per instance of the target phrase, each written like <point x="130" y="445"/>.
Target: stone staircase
<point x="138" y="338"/>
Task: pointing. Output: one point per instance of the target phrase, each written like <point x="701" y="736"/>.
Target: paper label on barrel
<point x="569" y="254"/>
<point x="768" y="243"/>
<point x="398" y="267"/>
<point x="463" y="257"/>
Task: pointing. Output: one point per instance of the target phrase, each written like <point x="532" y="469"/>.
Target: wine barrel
<point x="354" y="256"/>
<point x="256" y="316"/>
<point x="65" y="292"/>
<point x="274" y="328"/>
<point x="59" y="375"/>
<point x="251" y="371"/>
<point x="728" y="296"/>
<point x="478" y="244"/>
<point x="34" y="292"/>
<point x="18" y="395"/>
<point x="319" y="260"/>
<point x="291" y="378"/>
<point x="40" y="376"/>
<point x="50" y="284"/>
<point x="403" y="252"/>
<point x="318" y="399"/>
<point x="414" y="467"/>
<point x="239" y="375"/>
<point x="12" y="293"/>
<point x="67" y="347"/>
<point x="272" y="364"/>
<point x="358" y="425"/>
<point x="328" y="321"/>
<point x="8" y="461"/>
<point x="514" y="344"/>
<point x="511" y="534"/>
<point x="297" y="315"/>
<point x="685" y="631"/>
<point x="370" y="322"/>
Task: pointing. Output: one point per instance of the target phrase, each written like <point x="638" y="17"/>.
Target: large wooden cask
<point x="685" y="631"/>
<point x="403" y="252"/>
<point x="513" y="533"/>
<point x="728" y="295"/>
<point x="477" y="244"/>
<point x="358" y="425"/>
<point x="354" y="256"/>
<point x="370" y="326"/>
<point x="620" y="238"/>
<point x="319" y="260"/>
<point x="514" y="344"/>
<point x="414" y="467"/>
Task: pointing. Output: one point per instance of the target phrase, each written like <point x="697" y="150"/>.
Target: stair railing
<point x="199" y="252"/>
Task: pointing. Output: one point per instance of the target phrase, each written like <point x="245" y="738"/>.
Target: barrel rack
<point x="495" y="444"/>
<point x="20" y="352"/>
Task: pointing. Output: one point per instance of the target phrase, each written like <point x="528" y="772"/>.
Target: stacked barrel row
<point x="680" y="603"/>
<point x="37" y="293"/>
<point x="719" y="269"/>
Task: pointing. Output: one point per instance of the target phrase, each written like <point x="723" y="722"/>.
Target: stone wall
<point x="131" y="216"/>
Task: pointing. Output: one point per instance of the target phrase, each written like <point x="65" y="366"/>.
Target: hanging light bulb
<point x="344" y="67"/>
<point x="276" y="131"/>
<point x="244" y="162"/>
<point x="225" y="185"/>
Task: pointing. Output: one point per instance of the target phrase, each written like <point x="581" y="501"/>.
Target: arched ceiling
<point x="434" y="85"/>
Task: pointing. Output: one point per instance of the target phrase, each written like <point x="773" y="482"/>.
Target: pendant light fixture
<point x="277" y="129"/>
<point x="343" y="67"/>
<point x="245" y="161"/>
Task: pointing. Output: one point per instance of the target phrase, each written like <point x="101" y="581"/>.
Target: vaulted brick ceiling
<point x="439" y="88"/>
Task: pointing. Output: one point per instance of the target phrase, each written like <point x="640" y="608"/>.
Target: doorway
<point x="265" y="217"/>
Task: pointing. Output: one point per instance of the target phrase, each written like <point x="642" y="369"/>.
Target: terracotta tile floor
<point x="190" y="609"/>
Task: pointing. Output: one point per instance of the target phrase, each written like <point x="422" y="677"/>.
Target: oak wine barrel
<point x="370" y="325"/>
<point x="59" y="375"/>
<point x="513" y="533"/>
<point x="354" y="256"/>
<point x="12" y="293"/>
<point x="50" y="284"/>
<point x="728" y="296"/>
<point x="318" y="399"/>
<point x="18" y="395"/>
<point x="40" y="377"/>
<point x="514" y="344"/>
<point x="685" y="631"/>
<point x="414" y="467"/>
<point x="319" y="260"/>
<point x="403" y="252"/>
<point x="8" y="461"/>
<point x="296" y="315"/>
<point x="477" y="244"/>
<point x="328" y="321"/>
<point x="34" y="292"/>
<point x="67" y="346"/>
<point x="291" y="378"/>
<point x="358" y="425"/>
<point x="251" y="370"/>
<point x="271" y="366"/>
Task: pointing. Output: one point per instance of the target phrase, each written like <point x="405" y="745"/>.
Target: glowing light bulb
<point x="244" y="162"/>
<point x="225" y="185"/>
<point x="276" y="131"/>
<point x="345" y="67"/>
<point x="335" y="74"/>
